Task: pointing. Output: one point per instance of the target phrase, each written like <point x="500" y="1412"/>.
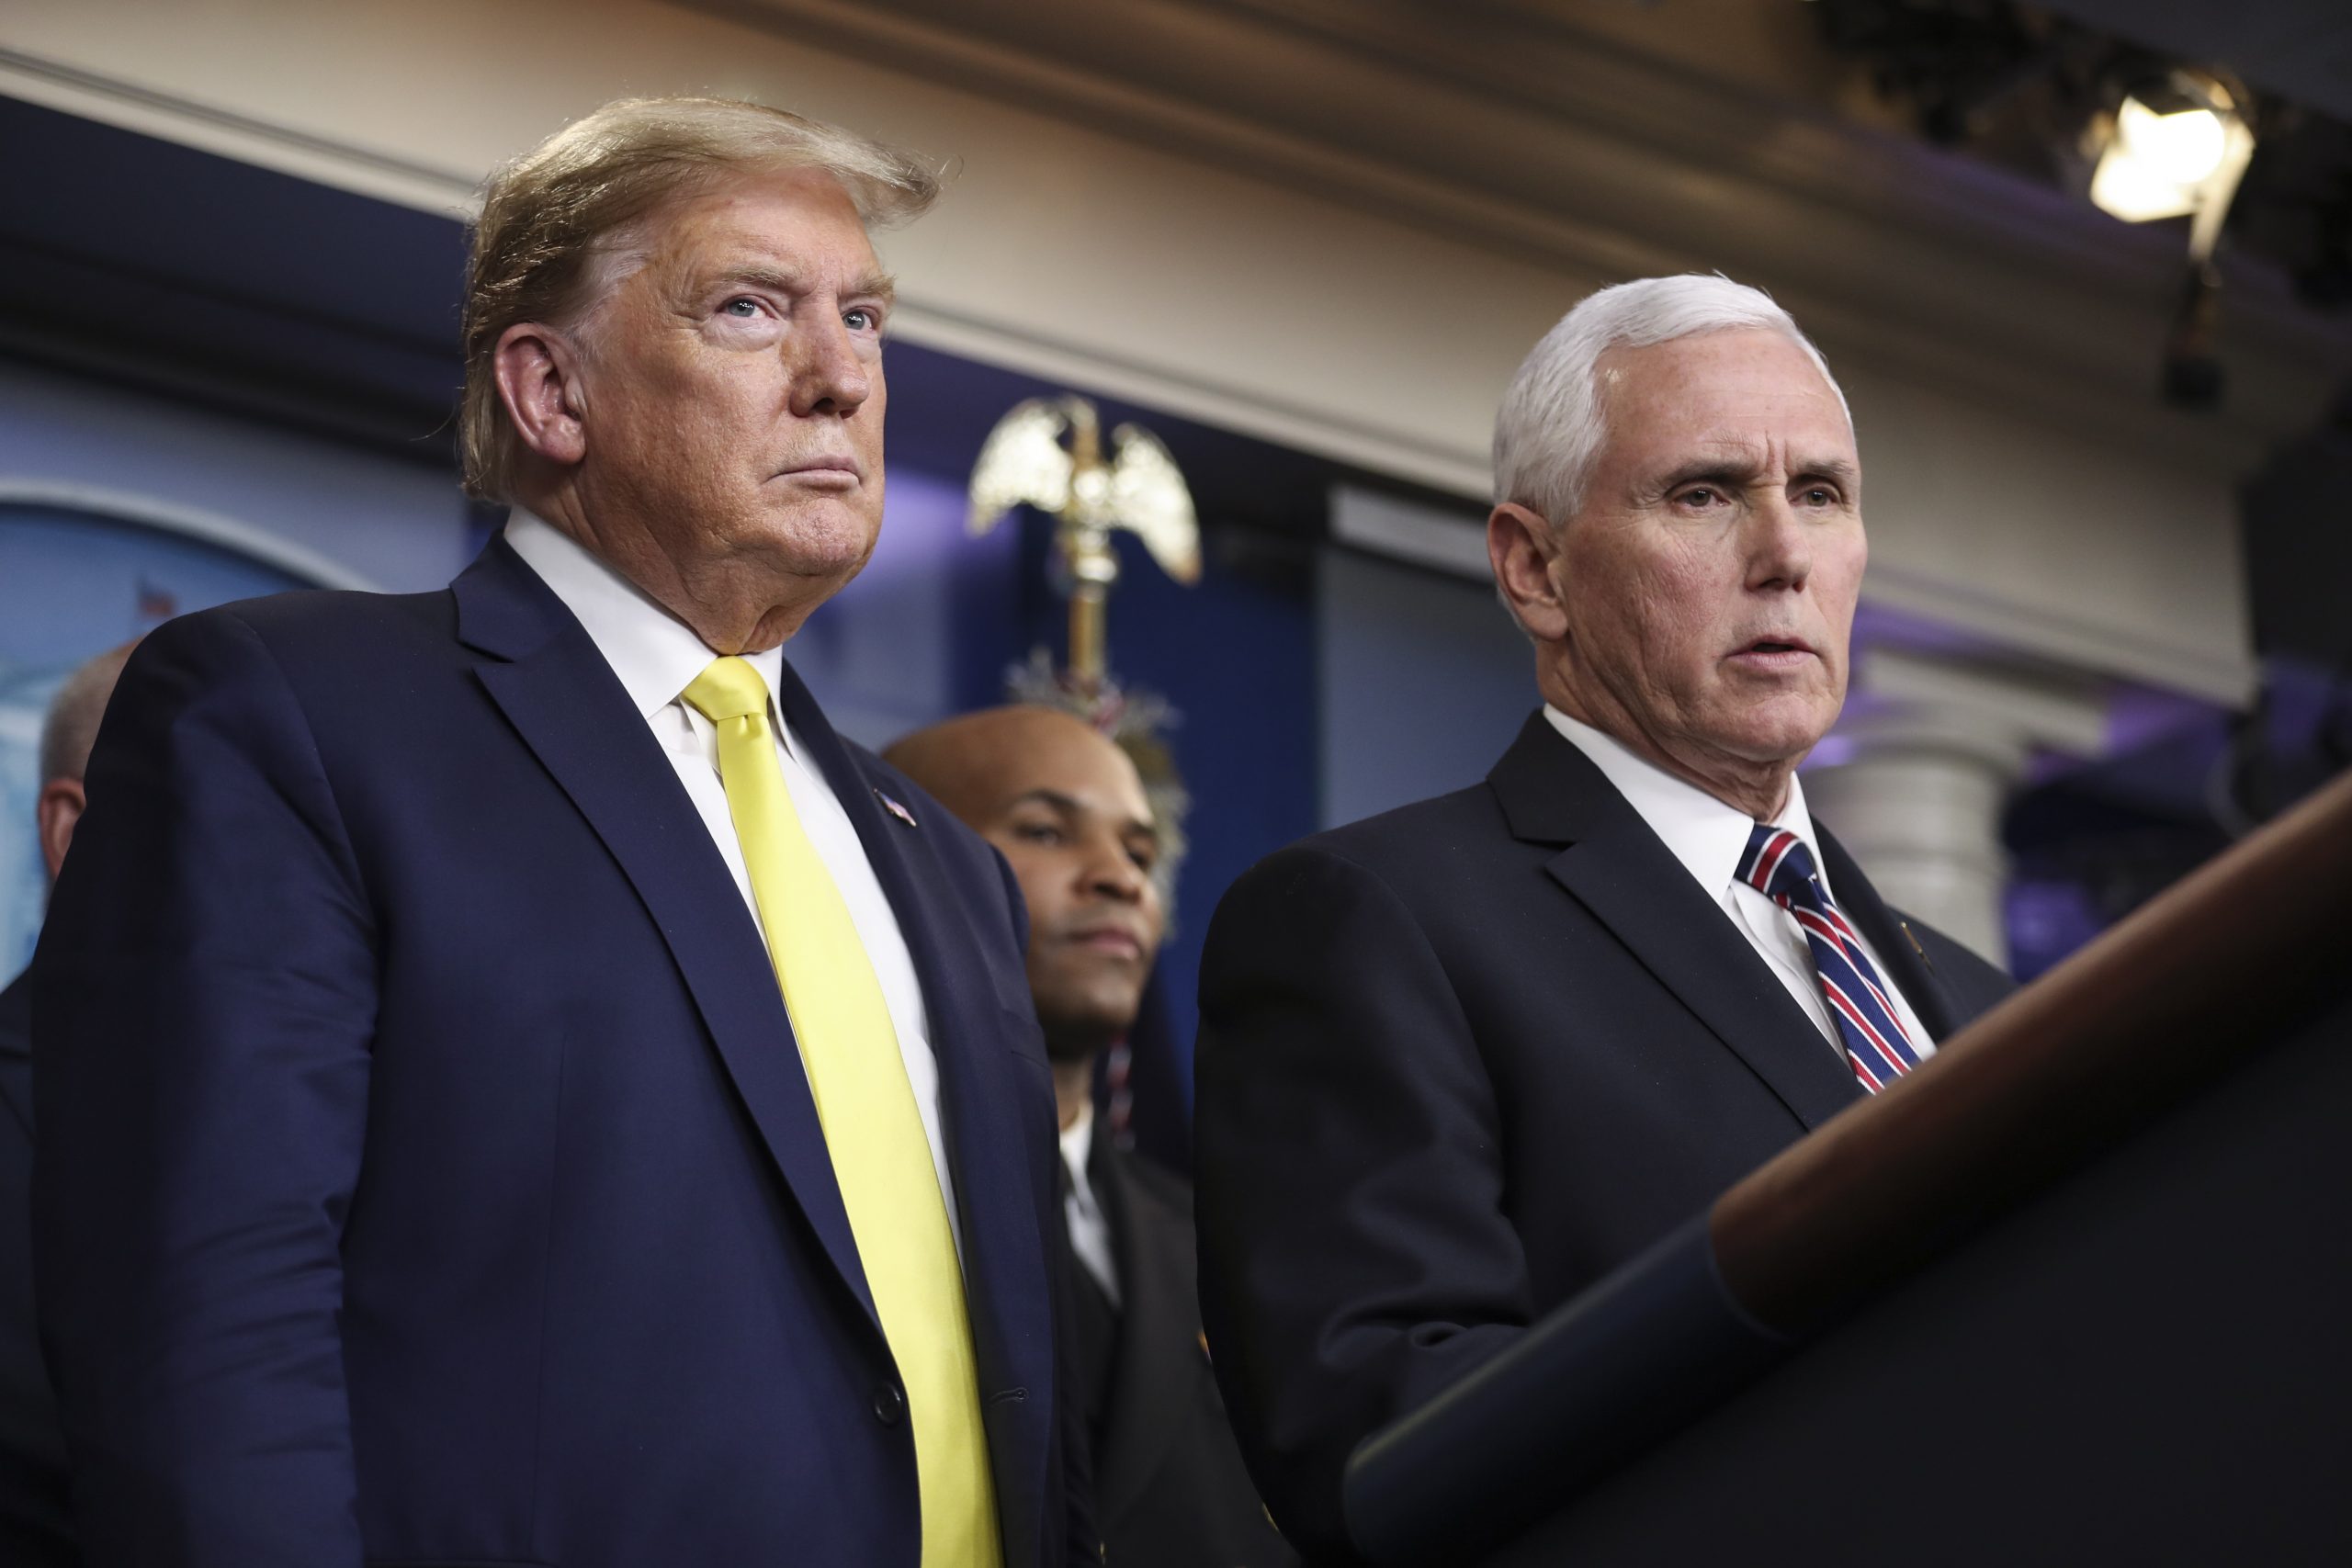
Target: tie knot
<point x="1777" y="864"/>
<point x="729" y="688"/>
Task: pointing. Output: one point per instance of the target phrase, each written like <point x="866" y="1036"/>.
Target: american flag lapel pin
<point x="894" y="810"/>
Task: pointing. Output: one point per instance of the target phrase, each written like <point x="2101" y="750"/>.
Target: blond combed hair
<point x="554" y="220"/>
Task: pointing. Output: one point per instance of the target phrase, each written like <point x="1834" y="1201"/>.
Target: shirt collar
<point x="1078" y="1147"/>
<point x="1078" y="1140"/>
<point x="655" y="655"/>
<point x="1706" y="835"/>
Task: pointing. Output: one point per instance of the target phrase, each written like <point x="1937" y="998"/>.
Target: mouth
<point x="830" y="470"/>
<point x="1110" y="942"/>
<point x="1772" y="653"/>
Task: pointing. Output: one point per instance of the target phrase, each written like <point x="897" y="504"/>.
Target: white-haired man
<point x="1458" y="1061"/>
<point x="522" y="1090"/>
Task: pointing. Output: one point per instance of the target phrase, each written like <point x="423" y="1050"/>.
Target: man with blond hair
<point x="1460" y="1061"/>
<point x="519" y="1088"/>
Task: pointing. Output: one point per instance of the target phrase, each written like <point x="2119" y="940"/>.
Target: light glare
<point x="2168" y="165"/>
<point x="2183" y="148"/>
<point x="2127" y="188"/>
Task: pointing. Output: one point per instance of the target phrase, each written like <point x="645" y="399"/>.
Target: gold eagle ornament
<point x="1137" y="488"/>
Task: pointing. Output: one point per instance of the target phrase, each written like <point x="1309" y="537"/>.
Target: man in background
<point x="35" y="1519"/>
<point x="1068" y="810"/>
<point x="1460" y="1061"/>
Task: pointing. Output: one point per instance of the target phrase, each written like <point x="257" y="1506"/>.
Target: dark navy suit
<point x="36" y="1528"/>
<point x="1169" y="1487"/>
<point x="433" y="1177"/>
<point x="1460" y="1061"/>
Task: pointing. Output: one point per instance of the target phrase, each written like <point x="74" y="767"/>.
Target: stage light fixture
<point x="2175" y="149"/>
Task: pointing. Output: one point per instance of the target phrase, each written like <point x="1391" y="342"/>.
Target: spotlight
<point x="2177" y="149"/>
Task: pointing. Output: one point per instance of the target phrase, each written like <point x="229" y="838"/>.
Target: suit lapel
<point x="988" y="1153"/>
<point x="547" y="676"/>
<point x="1158" y="1362"/>
<point x="1621" y="872"/>
<point x="1906" y="963"/>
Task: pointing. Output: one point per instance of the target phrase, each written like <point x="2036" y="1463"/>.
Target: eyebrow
<point x="867" y="286"/>
<point x="1068" y="806"/>
<point x="1837" y="469"/>
<point x="1738" y="472"/>
<point x="1733" y="473"/>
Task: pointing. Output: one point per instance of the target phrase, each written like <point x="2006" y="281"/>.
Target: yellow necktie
<point x="880" y="1157"/>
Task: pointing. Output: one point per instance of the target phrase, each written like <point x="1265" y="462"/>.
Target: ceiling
<point x="2301" y="49"/>
<point x="1608" y="139"/>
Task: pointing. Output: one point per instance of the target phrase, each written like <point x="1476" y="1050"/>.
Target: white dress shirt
<point x="1709" y="838"/>
<point x="1090" y="1228"/>
<point x="656" y="656"/>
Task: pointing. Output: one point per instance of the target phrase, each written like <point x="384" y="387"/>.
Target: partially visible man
<point x="1459" y="1061"/>
<point x="36" y="1516"/>
<point x="1068" y="810"/>
<point x="516" y="1087"/>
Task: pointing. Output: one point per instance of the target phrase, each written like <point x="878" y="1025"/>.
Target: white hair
<point x="1551" y="424"/>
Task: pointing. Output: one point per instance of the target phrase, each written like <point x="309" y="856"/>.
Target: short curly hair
<point x="555" y="221"/>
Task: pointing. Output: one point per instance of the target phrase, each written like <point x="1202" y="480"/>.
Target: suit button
<point x="889" y="1405"/>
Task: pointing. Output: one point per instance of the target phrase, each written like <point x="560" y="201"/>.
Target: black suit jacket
<point x="1171" y="1489"/>
<point x="1458" y="1062"/>
<point x="35" y="1516"/>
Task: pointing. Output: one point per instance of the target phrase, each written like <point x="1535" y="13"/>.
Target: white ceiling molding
<point x="1505" y="127"/>
<point x="1337" y="224"/>
<point x="1019" y="346"/>
<point x="324" y="160"/>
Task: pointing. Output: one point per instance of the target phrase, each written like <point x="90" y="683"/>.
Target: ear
<point x="537" y="369"/>
<point x="1520" y="547"/>
<point x="57" y="810"/>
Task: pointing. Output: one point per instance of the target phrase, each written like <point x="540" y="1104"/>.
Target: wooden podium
<point x="2078" y="1290"/>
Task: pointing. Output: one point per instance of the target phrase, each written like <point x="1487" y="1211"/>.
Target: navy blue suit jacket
<point x="429" y="1174"/>
<point x="1460" y="1061"/>
<point x="36" y="1528"/>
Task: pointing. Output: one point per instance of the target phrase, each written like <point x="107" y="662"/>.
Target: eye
<point x="1144" y="856"/>
<point x="1700" y="497"/>
<point x="1036" y="832"/>
<point x="1820" y="496"/>
<point x="742" y="307"/>
<point x="862" y="318"/>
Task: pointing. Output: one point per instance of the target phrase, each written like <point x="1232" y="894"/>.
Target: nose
<point x="829" y="373"/>
<point x="1110" y="872"/>
<point x="1779" y="547"/>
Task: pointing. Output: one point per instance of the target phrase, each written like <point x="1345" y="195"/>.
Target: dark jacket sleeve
<point x="1082" y="1539"/>
<point x="204" y="1000"/>
<point x="1081" y="1535"/>
<point x="1355" y="1253"/>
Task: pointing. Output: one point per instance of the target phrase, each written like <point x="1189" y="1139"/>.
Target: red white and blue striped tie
<point x="1777" y="864"/>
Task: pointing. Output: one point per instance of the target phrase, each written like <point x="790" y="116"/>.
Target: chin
<point x="1107" y="1009"/>
<point x="1781" y="731"/>
<point x="820" y="538"/>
